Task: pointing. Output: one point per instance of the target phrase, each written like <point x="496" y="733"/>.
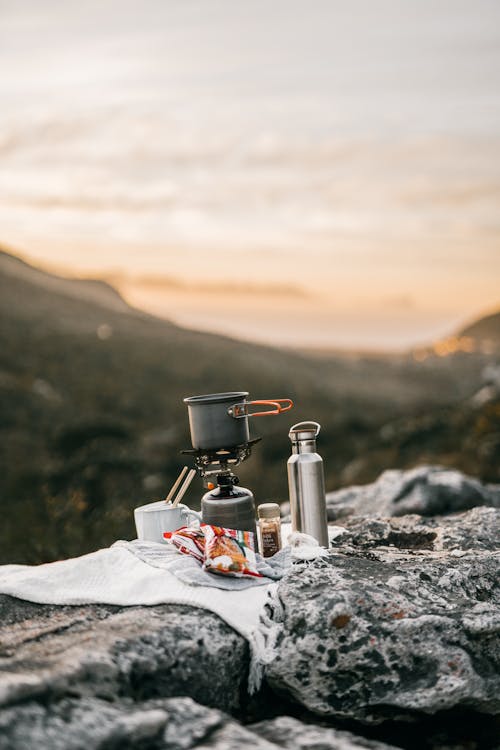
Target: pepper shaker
<point x="269" y="529"/>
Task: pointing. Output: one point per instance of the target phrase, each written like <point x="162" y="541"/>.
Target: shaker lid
<point x="268" y="510"/>
<point x="304" y="431"/>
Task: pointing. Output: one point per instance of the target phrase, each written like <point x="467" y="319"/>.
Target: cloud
<point x="399" y="302"/>
<point x="158" y="283"/>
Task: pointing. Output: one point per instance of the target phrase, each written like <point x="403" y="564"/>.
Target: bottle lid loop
<point x="304" y="431"/>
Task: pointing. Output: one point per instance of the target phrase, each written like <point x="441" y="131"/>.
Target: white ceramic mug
<point x="153" y="519"/>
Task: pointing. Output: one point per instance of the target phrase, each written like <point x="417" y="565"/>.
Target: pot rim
<point x="215" y="398"/>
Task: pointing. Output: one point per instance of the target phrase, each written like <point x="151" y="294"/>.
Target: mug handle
<point x="238" y="411"/>
<point x="188" y="512"/>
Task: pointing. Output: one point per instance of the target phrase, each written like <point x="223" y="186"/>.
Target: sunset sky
<point x="345" y="156"/>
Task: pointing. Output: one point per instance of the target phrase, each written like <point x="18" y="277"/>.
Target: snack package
<point x="230" y="552"/>
<point x="189" y="541"/>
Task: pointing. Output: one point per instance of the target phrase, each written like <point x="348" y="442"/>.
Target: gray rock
<point x="79" y="678"/>
<point x="400" y="621"/>
<point x="79" y="724"/>
<point x="105" y="652"/>
<point x="94" y="724"/>
<point x="426" y="490"/>
<point x="477" y="529"/>
<point x="293" y="734"/>
<point x="159" y="724"/>
<point x="373" y="633"/>
<point x="233" y="736"/>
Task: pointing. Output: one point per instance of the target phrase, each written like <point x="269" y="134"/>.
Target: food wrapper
<point x="230" y="552"/>
<point x="189" y="541"/>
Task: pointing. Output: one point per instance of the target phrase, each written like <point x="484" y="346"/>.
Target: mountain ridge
<point x="95" y="290"/>
<point x="103" y="293"/>
<point x="484" y="328"/>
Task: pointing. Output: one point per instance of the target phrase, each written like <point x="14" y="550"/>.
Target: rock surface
<point x="293" y="734"/>
<point x="91" y="723"/>
<point x="159" y="724"/>
<point x="426" y="490"/>
<point x="377" y="632"/>
<point x="48" y="652"/>
<point x="397" y="626"/>
<point x="478" y="529"/>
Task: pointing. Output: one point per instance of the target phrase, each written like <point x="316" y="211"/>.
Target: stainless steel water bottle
<point x="306" y="483"/>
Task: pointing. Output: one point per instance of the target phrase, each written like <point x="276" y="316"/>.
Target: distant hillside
<point x="95" y="291"/>
<point x="484" y="329"/>
<point x="92" y="419"/>
<point x="97" y="328"/>
<point x="95" y="309"/>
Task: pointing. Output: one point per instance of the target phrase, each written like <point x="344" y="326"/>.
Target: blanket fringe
<point x="264" y="640"/>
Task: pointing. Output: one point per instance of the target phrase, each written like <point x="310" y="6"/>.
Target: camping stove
<point x="219" y="426"/>
<point x="225" y="503"/>
<point x="220" y="461"/>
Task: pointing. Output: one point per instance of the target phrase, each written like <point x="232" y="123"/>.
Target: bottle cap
<point x="268" y="510"/>
<point x="304" y="431"/>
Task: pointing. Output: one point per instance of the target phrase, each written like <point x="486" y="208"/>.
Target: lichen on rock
<point x="105" y="652"/>
<point x="381" y="632"/>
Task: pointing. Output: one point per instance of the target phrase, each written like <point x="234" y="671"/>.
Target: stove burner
<point x="221" y="460"/>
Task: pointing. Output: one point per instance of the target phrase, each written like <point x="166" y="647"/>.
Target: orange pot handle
<point x="287" y="401"/>
<point x="241" y="410"/>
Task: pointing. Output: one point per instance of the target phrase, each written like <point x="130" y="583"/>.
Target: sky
<point x="345" y="157"/>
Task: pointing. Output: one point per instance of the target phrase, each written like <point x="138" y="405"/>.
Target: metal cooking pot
<point x="220" y="420"/>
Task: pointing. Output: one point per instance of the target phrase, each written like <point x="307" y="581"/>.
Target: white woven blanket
<point x="117" y="576"/>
